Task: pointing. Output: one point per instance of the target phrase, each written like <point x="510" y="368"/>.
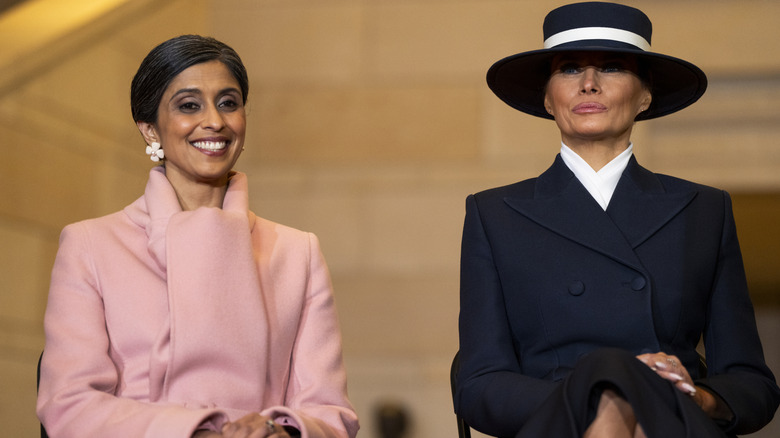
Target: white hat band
<point x="597" y="33"/>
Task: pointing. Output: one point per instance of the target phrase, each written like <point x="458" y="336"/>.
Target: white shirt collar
<point x="601" y="185"/>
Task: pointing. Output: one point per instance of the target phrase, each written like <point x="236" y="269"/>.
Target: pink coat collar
<point x="208" y="263"/>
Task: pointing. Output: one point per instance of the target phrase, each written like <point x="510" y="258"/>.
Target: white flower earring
<point x="155" y="151"/>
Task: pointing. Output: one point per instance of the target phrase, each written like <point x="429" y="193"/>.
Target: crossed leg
<point x="614" y="419"/>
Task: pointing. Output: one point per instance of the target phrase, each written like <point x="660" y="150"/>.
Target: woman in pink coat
<point x="185" y="315"/>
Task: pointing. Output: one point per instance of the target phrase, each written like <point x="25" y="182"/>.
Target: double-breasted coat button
<point x="638" y="283"/>
<point x="576" y="288"/>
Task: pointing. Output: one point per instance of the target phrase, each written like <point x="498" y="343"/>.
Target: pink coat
<point x="161" y="321"/>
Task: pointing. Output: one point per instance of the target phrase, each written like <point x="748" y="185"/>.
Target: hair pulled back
<point x="169" y="59"/>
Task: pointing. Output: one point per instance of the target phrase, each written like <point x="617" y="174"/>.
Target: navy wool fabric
<point x="662" y="410"/>
<point x="548" y="277"/>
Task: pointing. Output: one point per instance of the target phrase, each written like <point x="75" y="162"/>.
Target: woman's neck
<point x="193" y="194"/>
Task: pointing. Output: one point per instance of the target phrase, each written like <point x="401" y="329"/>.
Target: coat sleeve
<point x="735" y="360"/>
<point x="492" y="394"/>
<point x="316" y="401"/>
<point x="78" y="378"/>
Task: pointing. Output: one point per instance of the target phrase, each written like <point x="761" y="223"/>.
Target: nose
<point x="212" y="118"/>
<point x="590" y="81"/>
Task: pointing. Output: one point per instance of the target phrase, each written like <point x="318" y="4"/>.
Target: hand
<point x="670" y="368"/>
<point x="253" y="426"/>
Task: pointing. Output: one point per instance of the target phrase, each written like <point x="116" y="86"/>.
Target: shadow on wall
<point x="757" y="216"/>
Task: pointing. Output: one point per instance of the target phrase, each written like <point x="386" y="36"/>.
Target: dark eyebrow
<point x="185" y="90"/>
<point x="229" y="90"/>
<point x="197" y="91"/>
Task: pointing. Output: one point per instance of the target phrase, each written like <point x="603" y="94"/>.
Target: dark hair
<point x="169" y="59"/>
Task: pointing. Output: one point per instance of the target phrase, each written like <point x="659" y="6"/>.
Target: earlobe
<point x="548" y="106"/>
<point x="646" y="103"/>
<point x="153" y="147"/>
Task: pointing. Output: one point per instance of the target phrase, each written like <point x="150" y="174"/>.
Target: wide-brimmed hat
<point x="520" y="80"/>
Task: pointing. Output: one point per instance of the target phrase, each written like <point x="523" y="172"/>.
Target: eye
<point x="229" y="104"/>
<point x="189" y="107"/>
<point x="570" y="68"/>
<point x="612" y="67"/>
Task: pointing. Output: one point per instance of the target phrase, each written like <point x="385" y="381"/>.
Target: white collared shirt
<point x="601" y="185"/>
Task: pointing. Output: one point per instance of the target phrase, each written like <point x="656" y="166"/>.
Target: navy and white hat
<point x="520" y="80"/>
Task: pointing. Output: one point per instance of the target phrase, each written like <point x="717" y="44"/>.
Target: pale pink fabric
<point x="160" y="321"/>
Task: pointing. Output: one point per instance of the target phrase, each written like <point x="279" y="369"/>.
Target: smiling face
<point x="201" y="123"/>
<point x="595" y="97"/>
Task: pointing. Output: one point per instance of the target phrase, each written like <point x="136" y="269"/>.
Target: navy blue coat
<point x="547" y="276"/>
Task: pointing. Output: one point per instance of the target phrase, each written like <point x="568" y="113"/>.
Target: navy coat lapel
<point x="639" y="207"/>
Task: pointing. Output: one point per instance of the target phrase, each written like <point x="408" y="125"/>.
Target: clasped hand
<point x="249" y="426"/>
<point x="670" y="368"/>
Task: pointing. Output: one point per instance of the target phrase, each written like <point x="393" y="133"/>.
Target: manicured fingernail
<point x="690" y="388"/>
<point x="676" y="376"/>
<point x="661" y="365"/>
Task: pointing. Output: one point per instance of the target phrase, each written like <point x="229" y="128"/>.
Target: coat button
<point x="638" y="283"/>
<point x="576" y="288"/>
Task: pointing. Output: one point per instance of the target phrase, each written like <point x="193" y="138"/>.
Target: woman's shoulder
<point x="284" y="247"/>
<point x="521" y="189"/>
<point x="109" y="223"/>
<point x="264" y="224"/>
<point x="100" y="235"/>
<point x="282" y="233"/>
<point x="673" y="184"/>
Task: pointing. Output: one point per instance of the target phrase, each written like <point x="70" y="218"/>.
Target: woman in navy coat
<point x="585" y="291"/>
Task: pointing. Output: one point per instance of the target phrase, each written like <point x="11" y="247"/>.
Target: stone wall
<point x="369" y="123"/>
